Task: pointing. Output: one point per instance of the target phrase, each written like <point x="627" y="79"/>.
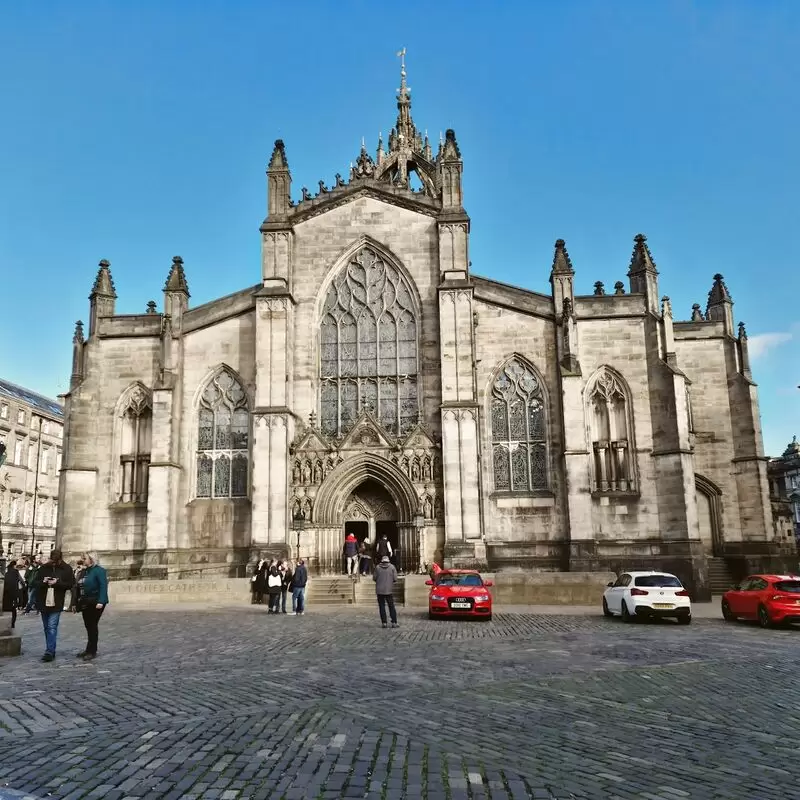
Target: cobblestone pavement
<point x="239" y="704"/>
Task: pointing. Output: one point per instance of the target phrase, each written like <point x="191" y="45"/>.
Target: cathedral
<point x="371" y="383"/>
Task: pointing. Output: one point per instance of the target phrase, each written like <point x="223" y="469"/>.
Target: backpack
<point x="383" y="548"/>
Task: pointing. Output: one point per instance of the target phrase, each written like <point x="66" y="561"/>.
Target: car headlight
<point x="482" y="598"/>
<point x="437" y="597"/>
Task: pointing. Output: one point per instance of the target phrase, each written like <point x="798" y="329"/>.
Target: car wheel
<point x="626" y="615"/>
<point x="487" y="618"/>
<point x="606" y="609"/>
<point x="686" y="619"/>
<point x="763" y="617"/>
<point x="431" y="615"/>
<point x="727" y="614"/>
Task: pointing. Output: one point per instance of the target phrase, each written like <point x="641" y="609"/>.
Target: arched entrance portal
<point x="370" y="513"/>
<point x="369" y="495"/>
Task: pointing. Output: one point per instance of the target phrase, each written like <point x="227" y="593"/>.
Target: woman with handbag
<point x="92" y="602"/>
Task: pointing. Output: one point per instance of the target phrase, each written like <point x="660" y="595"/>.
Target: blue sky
<point x="139" y="131"/>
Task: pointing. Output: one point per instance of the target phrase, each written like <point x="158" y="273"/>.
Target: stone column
<point x="163" y="473"/>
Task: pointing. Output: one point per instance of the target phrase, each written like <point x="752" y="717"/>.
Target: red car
<point x="459" y="593"/>
<point x="770" y="599"/>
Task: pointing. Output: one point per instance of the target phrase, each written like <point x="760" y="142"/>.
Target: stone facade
<point x="31" y="429"/>
<point x="371" y="382"/>
<point x="784" y="489"/>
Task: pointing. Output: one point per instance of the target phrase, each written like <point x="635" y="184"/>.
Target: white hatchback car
<point x="642" y="595"/>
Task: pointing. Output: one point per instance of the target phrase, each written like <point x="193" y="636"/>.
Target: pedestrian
<point x="365" y="558"/>
<point x="254" y="594"/>
<point x="385" y="576"/>
<point x="383" y="548"/>
<point x="286" y="583"/>
<point x="299" y="582"/>
<point x="274" y="588"/>
<point x="77" y="589"/>
<point x="24" y="571"/>
<point x="30" y="580"/>
<point x="350" y="554"/>
<point x="12" y="590"/>
<point x="92" y="601"/>
<point x="261" y="581"/>
<point x="52" y="582"/>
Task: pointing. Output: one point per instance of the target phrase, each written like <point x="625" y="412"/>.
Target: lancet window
<point x="519" y="430"/>
<point x="223" y="434"/>
<point x="135" y="443"/>
<point x="611" y="425"/>
<point x="368" y="347"/>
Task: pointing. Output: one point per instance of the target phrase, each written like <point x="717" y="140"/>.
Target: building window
<point x="3" y="410"/>
<point x="135" y="443"/>
<point x="368" y="341"/>
<point x="28" y="513"/>
<point x="21" y="416"/>
<point x="45" y="465"/>
<point x="58" y="461"/>
<point x="19" y="452"/>
<point x="519" y="430"/>
<point x="32" y="455"/>
<point x="223" y="436"/>
<point x="55" y="513"/>
<point x="45" y="426"/>
<point x="15" y="512"/>
<point x="611" y="426"/>
<point x="41" y="512"/>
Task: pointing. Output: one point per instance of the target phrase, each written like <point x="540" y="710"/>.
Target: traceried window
<point x="368" y="342"/>
<point x="519" y="430"/>
<point x="611" y="428"/>
<point x="135" y="444"/>
<point x="222" y="439"/>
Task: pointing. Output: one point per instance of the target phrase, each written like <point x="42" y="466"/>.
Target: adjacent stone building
<point x="31" y="429"/>
<point x="784" y="483"/>
<point x="371" y="381"/>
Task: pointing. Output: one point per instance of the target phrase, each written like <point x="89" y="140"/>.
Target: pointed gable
<point x="367" y="432"/>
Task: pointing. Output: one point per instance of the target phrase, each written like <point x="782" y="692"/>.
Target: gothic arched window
<point x="368" y="347"/>
<point x="223" y="435"/>
<point x="611" y="427"/>
<point x="519" y="430"/>
<point x="135" y="434"/>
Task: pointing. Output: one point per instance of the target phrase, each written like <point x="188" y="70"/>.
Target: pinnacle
<point x="641" y="258"/>
<point x="104" y="283"/>
<point x="451" y="151"/>
<point x="176" y="280"/>
<point x="278" y="160"/>
<point x="562" y="265"/>
<point x="719" y="292"/>
<point x="78" y="335"/>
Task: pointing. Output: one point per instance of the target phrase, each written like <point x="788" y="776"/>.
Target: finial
<point x="719" y="292"/>
<point x="561" y="261"/>
<point x="104" y="283"/>
<point x="619" y="287"/>
<point x="598" y="288"/>
<point x="78" y="336"/>
<point x="312" y="420"/>
<point x="666" y="307"/>
<point x="404" y="89"/>
<point x="176" y="280"/>
<point x="641" y="258"/>
<point x="278" y="160"/>
<point x="742" y="331"/>
<point x="697" y="314"/>
<point x="151" y="307"/>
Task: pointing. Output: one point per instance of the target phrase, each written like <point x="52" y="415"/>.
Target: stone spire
<point x="103" y="298"/>
<point x="744" y="352"/>
<point x="279" y="183"/>
<point x="77" y="356"/>
<point x="720" y="304"/>
<point x="176" y="280"/>
<point x="176" y="295"/>
<point x="643" y="274"/>
<point x="562" y="277"/>
<point x="103" y="283"/>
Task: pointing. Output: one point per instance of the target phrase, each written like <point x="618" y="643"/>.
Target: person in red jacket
<point x="351" y="553"/>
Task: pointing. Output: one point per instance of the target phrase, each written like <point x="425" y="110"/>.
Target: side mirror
<point x="610" y="584"/>
<point x="429" y="583"/>
<point x="488" y="583"/>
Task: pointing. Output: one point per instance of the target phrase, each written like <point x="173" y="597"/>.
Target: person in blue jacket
<point x="93" y="601"/>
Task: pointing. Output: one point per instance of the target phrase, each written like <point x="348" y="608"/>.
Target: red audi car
<point x="459" y="593"/>
<point x="770" y="599"/>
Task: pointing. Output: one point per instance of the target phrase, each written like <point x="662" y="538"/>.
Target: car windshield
<point x="449" y="579"/>
<point x="792" y="587"/>
<point x="652" y="581"/>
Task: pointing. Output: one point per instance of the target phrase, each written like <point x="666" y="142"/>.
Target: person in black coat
<point x="274" y="583"/>
<point x="286" y="584"/>
<point x="12" y="591"/>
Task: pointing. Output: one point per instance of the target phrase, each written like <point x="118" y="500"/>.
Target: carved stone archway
<point x="709" y="509"/>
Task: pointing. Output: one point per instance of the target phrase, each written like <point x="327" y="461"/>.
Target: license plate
<point x="460" y="605"/>
<point x="662" y="605"/>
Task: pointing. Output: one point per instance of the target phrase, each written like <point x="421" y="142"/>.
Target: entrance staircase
<point x="343" y="590"/>
<point x="719" y="576"/>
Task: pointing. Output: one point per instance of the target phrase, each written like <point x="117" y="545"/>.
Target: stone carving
<point x="427" y="507"/>
<point x="310" y="469"/>
<point x="302" y="507"/>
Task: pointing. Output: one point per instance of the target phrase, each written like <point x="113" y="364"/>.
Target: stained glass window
<point x="368" y="347"/>
<point x="223" y="438"/>
<point x="519" y="431"/>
